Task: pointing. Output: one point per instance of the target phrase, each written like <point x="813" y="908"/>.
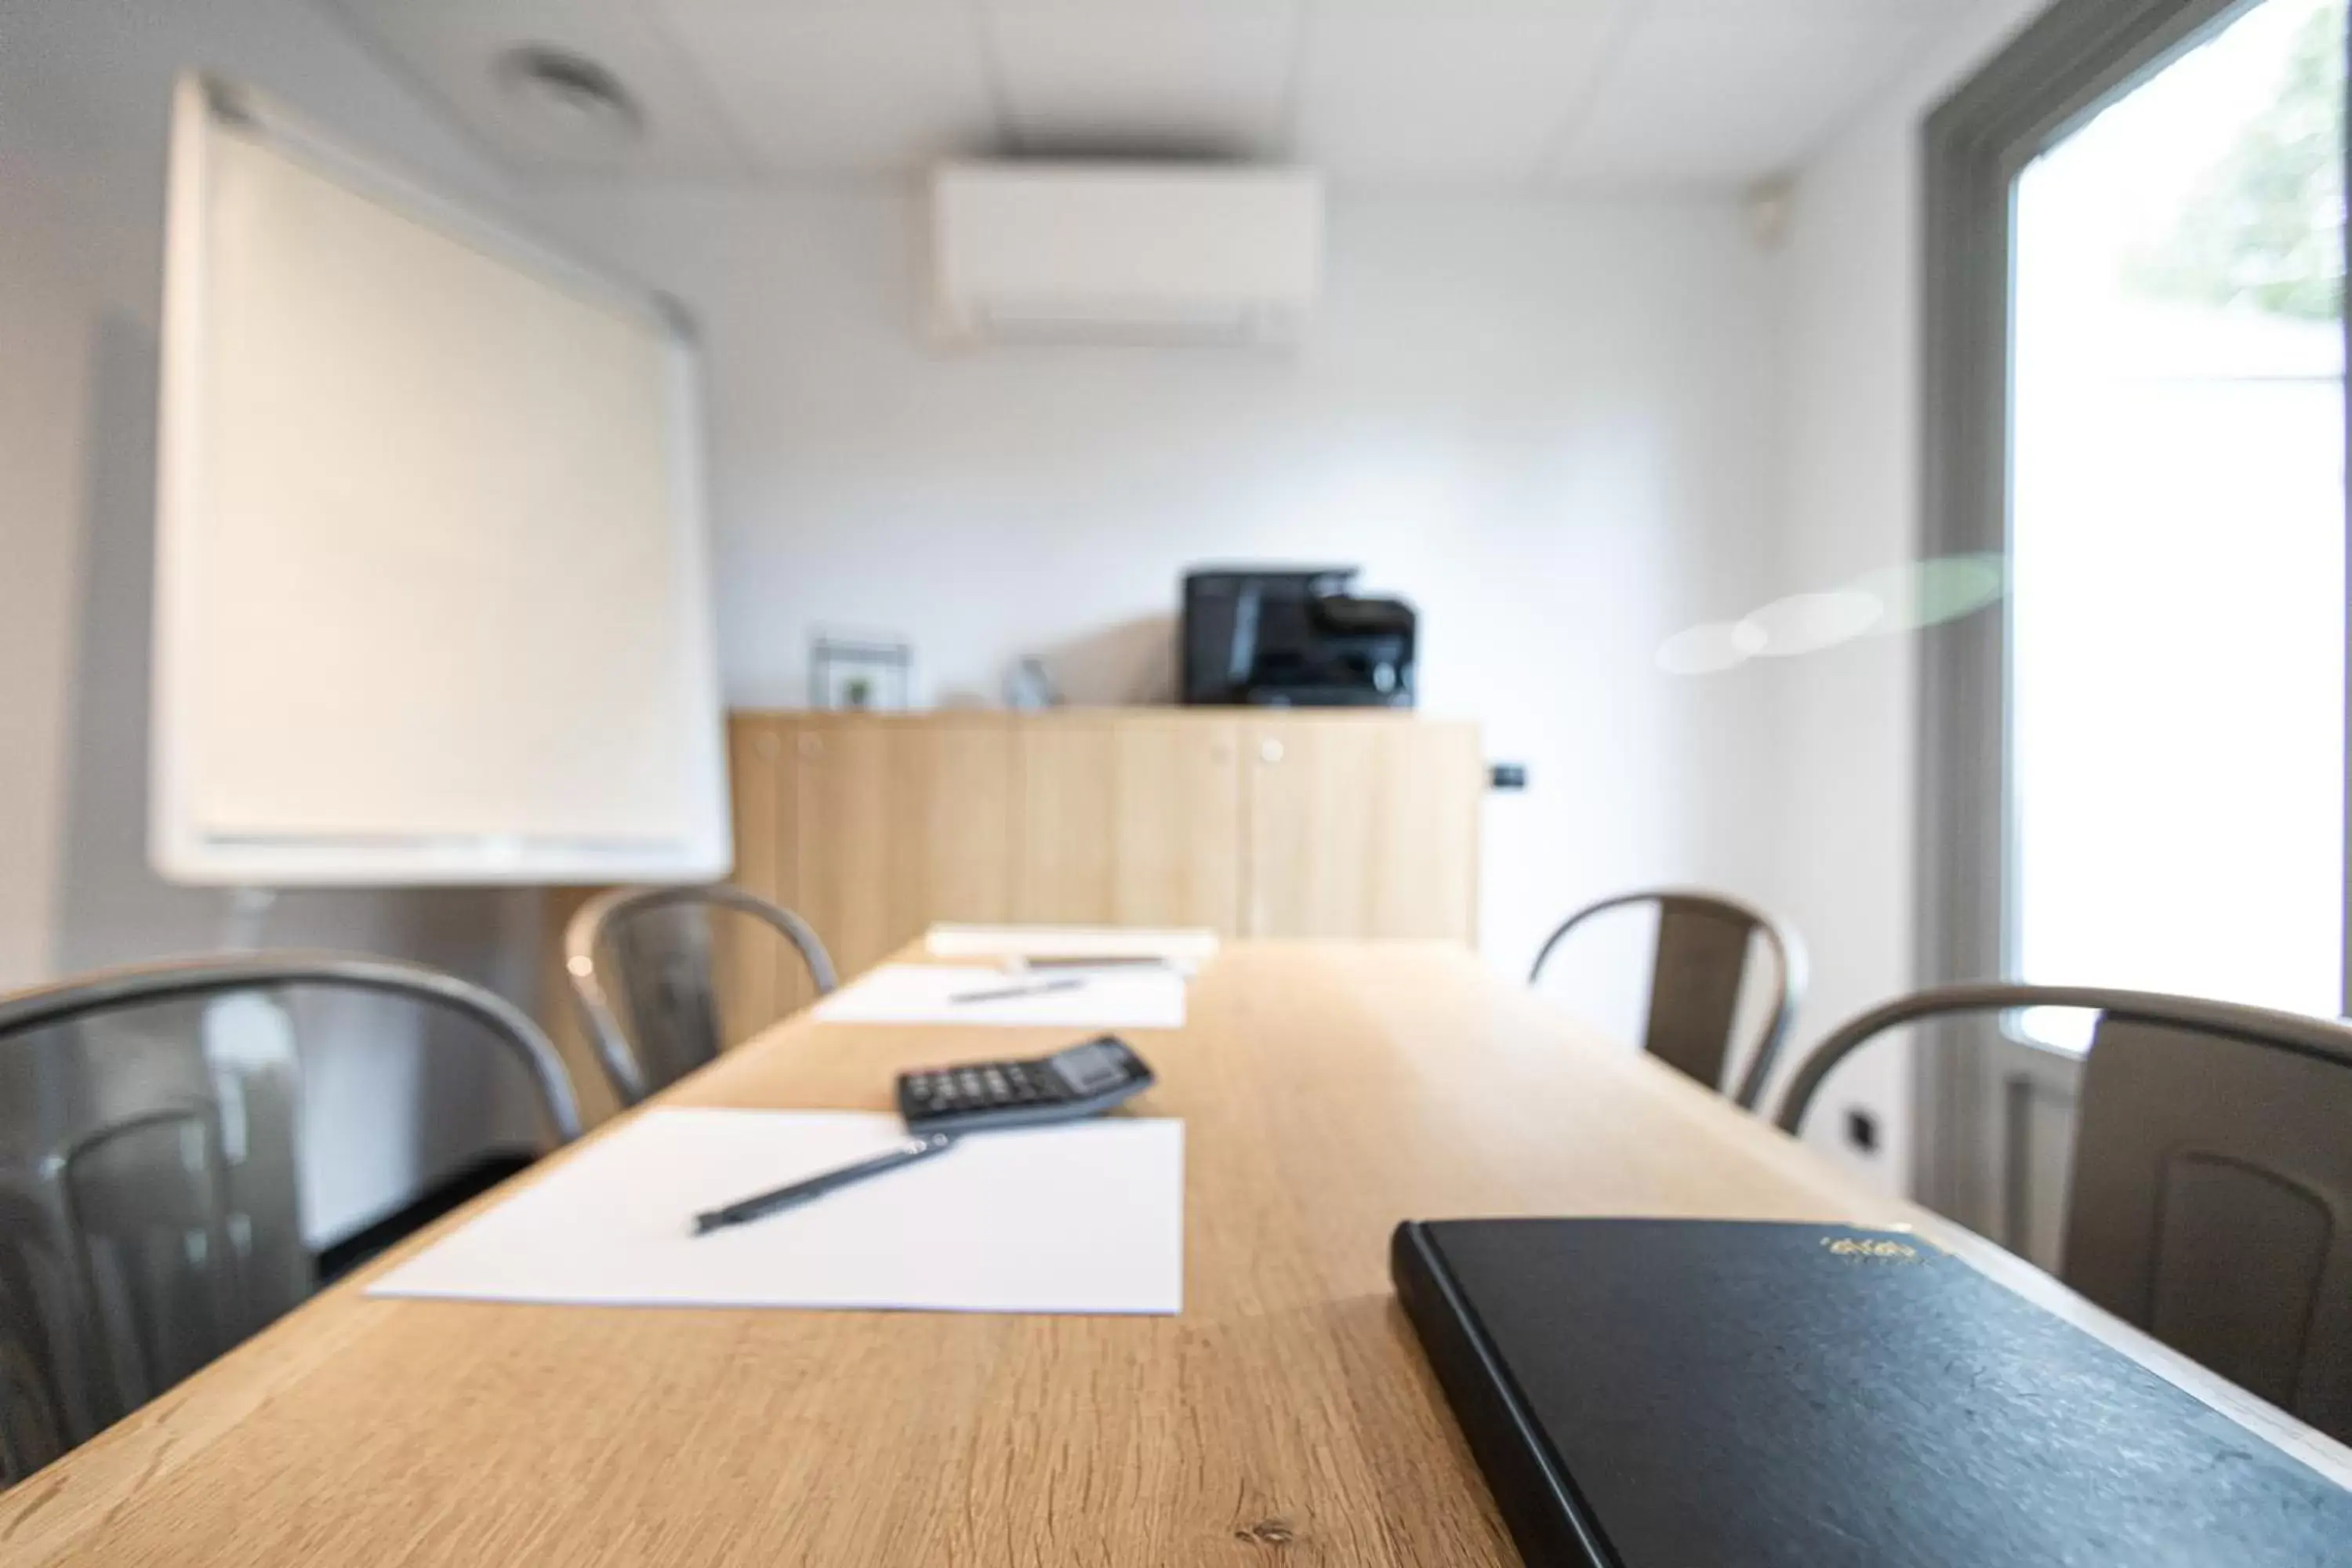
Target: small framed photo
<point x="859" y="672"/>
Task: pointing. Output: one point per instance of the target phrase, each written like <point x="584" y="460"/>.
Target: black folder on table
<point x="1676" y="1393"/>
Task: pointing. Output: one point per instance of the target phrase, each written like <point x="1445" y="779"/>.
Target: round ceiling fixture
<point x="568" y="97"/>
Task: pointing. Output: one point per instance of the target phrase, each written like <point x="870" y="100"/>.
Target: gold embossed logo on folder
<point x="1877" y="1247"/>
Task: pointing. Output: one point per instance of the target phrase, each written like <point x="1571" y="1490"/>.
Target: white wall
<point x="1845" y="719"/>
<point x="84" y="99"/>
<point x="43" y="390"/>
<point x="1550" y="424"/>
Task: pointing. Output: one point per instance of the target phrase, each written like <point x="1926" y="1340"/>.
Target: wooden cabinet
<point x="875" y="825"/>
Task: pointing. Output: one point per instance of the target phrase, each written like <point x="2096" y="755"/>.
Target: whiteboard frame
<point x="180" y="849"/>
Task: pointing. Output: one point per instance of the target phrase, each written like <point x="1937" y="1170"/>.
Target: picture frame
<point x="852" y="673"/>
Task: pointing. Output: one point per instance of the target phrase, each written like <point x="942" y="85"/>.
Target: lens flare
<point x="1705" y="650"/>
<point x="1808" y="623"/>
<point x="1890" y="602"/>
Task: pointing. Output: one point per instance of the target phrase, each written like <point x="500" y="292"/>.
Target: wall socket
<point x="1862" y="1129"/>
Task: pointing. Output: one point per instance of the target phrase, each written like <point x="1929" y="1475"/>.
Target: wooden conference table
<point x="1328" y="1090"/>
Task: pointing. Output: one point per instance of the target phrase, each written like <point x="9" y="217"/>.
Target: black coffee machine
<point x="1293" y="638"/>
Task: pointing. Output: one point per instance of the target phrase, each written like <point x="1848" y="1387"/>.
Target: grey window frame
<point x="2055" y="74"/>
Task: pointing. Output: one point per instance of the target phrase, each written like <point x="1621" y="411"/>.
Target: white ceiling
<point x="1527" y="93"/>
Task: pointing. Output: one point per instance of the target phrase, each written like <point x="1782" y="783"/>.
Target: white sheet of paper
<point x="1088" y="1217"/>
<point x="1185" y="948"/>
<point x="926" y="993"/>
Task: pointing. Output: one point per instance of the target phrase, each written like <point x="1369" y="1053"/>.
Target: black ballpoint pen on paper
<point x="762" y="1205"/>
<point x="1033" y="988"/>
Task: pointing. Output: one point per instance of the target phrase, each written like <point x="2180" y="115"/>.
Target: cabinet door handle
<point x="1269" y="750"/>
<point x="810" y="746"/>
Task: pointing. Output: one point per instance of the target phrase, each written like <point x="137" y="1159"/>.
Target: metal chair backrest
<point x="2211" y="1201"/>
<point x="1700" y="963"/>
<point x="150" y="1214"/>
<point x="645" y="954"/>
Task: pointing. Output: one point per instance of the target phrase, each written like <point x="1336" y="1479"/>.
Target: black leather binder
<point x="1666" y="1394"/>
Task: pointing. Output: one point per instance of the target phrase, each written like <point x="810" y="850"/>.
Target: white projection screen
<point x="432" y="601"/>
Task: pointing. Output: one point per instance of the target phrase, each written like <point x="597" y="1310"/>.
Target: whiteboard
<point x="432" y="601"/>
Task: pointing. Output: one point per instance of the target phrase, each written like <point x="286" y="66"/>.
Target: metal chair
<point x="2211" y="1203"/>
<point x="149" y="1210"/>
<point x="1695" y="980"/>
<point x="657" y="941"/>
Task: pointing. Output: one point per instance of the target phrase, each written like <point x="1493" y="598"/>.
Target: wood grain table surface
<point x="1285" y="1416"/>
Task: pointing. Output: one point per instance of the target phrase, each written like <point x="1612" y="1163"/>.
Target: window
<point x="2176" y="789"/>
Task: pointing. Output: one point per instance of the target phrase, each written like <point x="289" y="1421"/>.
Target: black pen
<point x="1007" y="992"/>
<point x="760" y="1206"/>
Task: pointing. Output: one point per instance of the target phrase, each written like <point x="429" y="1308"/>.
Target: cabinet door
<point x="1130" y="820"/>
<point x="1361" y="827"/>
<point x="751" y="962"/>
<point x="897" y="823"/>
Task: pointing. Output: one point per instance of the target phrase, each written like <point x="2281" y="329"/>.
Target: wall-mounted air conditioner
<point x="1123" y="252"/>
